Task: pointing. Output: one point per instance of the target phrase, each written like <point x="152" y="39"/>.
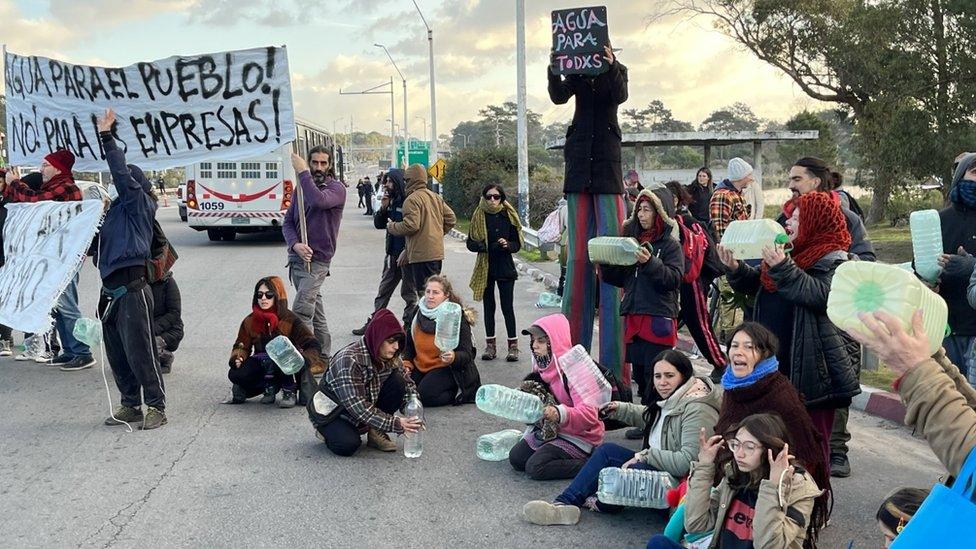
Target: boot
<point x="513" y="351"/>
<point x="380" y="441"/>
<point x="362" y="331"/>
<point x="490" y="351"/>
<point x="269" y="395"/>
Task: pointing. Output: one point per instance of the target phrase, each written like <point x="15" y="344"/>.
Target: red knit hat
<point x="61" y="159"/>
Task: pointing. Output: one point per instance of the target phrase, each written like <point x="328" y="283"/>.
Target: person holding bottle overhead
<point x="442" y="376"/>
<point x="252" y="372"/>
<point x="749" y="491"/>
<point x="650" y="302"/>
<point x="543" y="454"/>
<point x="495" y="234"/>
<point x="683" y="404"/>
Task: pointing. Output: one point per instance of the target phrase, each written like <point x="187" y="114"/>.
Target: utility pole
<point x="522" y="126"/>
<point x="406" y="136"/>
<point x="372" y="91"/>
<point x="433" y="95"/>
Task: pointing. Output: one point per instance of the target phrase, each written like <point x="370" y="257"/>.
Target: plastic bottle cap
<point x="782" y="238"/>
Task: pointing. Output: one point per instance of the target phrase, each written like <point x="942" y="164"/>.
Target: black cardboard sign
<point x="578" y="38"/>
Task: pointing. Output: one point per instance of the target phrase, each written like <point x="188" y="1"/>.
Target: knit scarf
<point x="654" y="232"/>
<point x="479" y="233"/>
<point x="263" y="322"/>
<point x="822" y="229"/>
<point x="427" y="318"/>
<point x="964" y="193"/>
<point x="763" y="369"/>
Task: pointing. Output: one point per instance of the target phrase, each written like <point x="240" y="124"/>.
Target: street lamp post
<point x="406" y="136"/>
<point x="433" y="96"/>
<point x="425" y="126"/>
<point x="522" y="126"/>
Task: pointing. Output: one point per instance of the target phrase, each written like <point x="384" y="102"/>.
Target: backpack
<point x="550" y="228"/>
<point x="162" y="255"/>
<point x="694" y="246"/>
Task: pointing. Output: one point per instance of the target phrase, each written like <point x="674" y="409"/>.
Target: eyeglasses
<point x="265" y="295"/>
<point x="750" y="447"/>
<point x="493" y="197"/>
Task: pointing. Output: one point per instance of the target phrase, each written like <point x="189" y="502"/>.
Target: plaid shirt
<point x="59" y="191"/>
<point x="356" y="383"/>
<point x="726" y="206"/>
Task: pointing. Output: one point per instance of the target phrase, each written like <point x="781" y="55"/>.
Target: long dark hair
<point x="680" y="194"/>
<point x="687" y="371"/>
<point x="498" y="188"/>
<point x="708" y="172"/>
<point x="899" y="507"/>
<point x="829" y="179"/>
<point x="322" y="149"/>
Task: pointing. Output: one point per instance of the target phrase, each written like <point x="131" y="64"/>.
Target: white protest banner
<point x="44" y="245"/>
<point x="172" y="112"/>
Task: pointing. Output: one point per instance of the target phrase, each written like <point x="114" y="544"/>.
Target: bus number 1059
<point x="211" y="205"/>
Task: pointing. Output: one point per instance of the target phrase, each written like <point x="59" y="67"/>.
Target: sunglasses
<point x="265" y="295"/>
<point x="493" y="197"/>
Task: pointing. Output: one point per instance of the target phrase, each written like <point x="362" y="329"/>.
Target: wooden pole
<point x="302" y="226"/>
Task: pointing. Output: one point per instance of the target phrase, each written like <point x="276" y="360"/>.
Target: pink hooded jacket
<point x="579" y="424"/>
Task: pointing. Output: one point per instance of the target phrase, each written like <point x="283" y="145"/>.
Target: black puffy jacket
<point x="823" y="362"/>
<point x="167" y="312"/>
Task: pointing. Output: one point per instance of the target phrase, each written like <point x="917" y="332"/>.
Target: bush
<point x="905" y="200"/>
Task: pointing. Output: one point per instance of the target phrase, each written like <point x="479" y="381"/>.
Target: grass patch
<point x="533" y="256"/>
<point x="882" y="378"/>
<point x="891" y="244"/>
<point x="463" y="224"/>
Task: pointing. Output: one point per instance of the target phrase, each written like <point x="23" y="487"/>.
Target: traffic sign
<point x="419" y="153"/>
<point x="438" y="169"/>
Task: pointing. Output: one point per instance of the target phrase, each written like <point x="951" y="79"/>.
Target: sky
<point x="686" y="63"/>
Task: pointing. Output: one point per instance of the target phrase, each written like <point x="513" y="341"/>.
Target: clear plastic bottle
<point x="747" y="238"/>
<point x="548" y="300"/>
<point x="509" y="403"/>
<point x="496" y="446"/>
<point x="447" y="331"/>
<point x="285" y="355"/>
<point x="413" y="443"/>
<point x="88" y="331"/>
<point x="613" y="250"/>
<point x="865" y="287"/>
<point x="926" y="229"/>
<point x="585" y="377"/>
<point x="634" y="487"/>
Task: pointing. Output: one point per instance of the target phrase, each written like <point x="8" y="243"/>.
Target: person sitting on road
<point x="748" y="471"/>
<point x="578" y="425"/>
<point x="681" y="406"/>
<point x="897" y="510"/>
<point x="167" y="320"/>
<point x="362" y="389"/>
<point x="442" y="376"/>
<point x="252" y="371"/>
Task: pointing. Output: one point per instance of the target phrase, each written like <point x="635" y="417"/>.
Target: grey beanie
<point x="738" y="169"/>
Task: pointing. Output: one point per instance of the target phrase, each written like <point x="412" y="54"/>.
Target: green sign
<point x="419" y="153"/>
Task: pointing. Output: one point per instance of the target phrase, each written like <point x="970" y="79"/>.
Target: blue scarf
<point x="964" y="193"/>
<point x="763" y="369"/>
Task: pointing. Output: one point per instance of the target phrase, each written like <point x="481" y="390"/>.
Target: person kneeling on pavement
<point x="167" y="319"/>
<point x="362" y="388"/>
<point x="252" y="371"/>
<point x="442" y="377"/>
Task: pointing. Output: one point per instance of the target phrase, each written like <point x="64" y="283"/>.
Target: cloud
<point x="271" y="13"/>
<point x="98" y="14"/>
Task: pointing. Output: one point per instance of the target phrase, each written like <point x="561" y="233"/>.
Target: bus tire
<point x="229" y="235"/>
<point x="214" y="235"/>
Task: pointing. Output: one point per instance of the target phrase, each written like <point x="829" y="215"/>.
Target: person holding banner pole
<point x="126" y="303"/>
<point x="309" y="255"/>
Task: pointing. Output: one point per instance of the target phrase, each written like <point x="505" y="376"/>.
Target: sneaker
<point x="78" y="363"/>
<point x="380" y="441"/>
<point x="287" y="399"/>
<point x="544" y="513"/>
<point x="269" y="395"/>
<point x="43" y="357"/>
<point x="237" y="394"/>
<point x="634" y="434"/>
<point x="31" y="348"/>
<point x="155" y="418"/>
<point x="840" y="466"/>
<point x="124" y="414"/>
<point x="61" y="359"/>
<point x="6" y="347"/>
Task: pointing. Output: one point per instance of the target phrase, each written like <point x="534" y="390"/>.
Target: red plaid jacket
<point x="61" y="188"/>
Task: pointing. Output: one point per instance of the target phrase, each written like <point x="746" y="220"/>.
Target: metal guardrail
<point x="531" y="238"/>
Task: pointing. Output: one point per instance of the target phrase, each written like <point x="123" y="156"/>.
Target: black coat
<point x="651" y="288"/>
<point x="463" y="368"/>
<point x="393" y="211"/>
<point x="500" y="263"/>
<point x="958" y="229"/>
<point x="167" y="312"/>
<point x="823" y="362"/>
<point x="699" y="208"/>
<point x="592" y="149"/>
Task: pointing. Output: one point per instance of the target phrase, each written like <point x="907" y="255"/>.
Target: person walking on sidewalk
<point x="368" y="196"/>
<point x="308" y="262"/>
<point x="495" y="235"/>
<point x="126" y="303"/>
<point x="426" y="219"/>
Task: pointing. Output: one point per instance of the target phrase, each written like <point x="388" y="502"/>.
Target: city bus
<point x="225" y="198"/>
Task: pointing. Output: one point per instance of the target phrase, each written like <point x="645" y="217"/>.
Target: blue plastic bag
<point x="947" y="518"/>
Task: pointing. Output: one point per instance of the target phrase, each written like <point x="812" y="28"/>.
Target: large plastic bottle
<point x="926" y="243"/>
<point x="613" y="250"/>
<point x="747" y="238"/>
<point x="548" y="300"/>
<point x="634" y="487"/>
<point x="285" y="355"/>
<point x="496" y="446"/>
<point x="88" y="331"/>
<point x="509" y="403"/>
<point x="447" y="331"/>
<point x="585" y="377"/>
<point x="864" y="287"/>
<point x="413" y="443"/>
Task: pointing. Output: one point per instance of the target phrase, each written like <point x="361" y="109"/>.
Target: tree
<point x="737" y="117"/>
<point x="825" y="147"/>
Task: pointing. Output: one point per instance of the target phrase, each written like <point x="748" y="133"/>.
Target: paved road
<point x="255" y="476"/>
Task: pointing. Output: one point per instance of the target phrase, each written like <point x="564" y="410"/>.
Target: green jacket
<point x="693" y="406"/>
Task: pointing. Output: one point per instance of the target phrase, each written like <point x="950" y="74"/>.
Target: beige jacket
<point x="773" y="526"/>
<point x="939" y="403"/>
<point x="426" y="219"/>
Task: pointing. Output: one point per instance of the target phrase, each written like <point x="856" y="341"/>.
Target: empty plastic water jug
<point x="747" y="238"/>
<point x="285" y="355"/>
<point x="413" y="443"/>
<point x="88" y="331"/>
<point x="447" y="330"/>
<point x="509" y="403"/>
<point x="613" y="250"/>
<point x="866" y="287"/>
<point x="496" y="446"/>
<point x="585" y="377"/>
<point x="926" y="243"/>
<point x="548" y="300"/>
<point x="634" y="487"/>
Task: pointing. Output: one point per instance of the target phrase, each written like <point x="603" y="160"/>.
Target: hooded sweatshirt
<point x="125" y="237"/>
<point x="426" y="219"/>
<point x="959" y="229"/>
<point x="578" y="423"/>
<point x="393" y="211"/>
<point x="323" y="213"/>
